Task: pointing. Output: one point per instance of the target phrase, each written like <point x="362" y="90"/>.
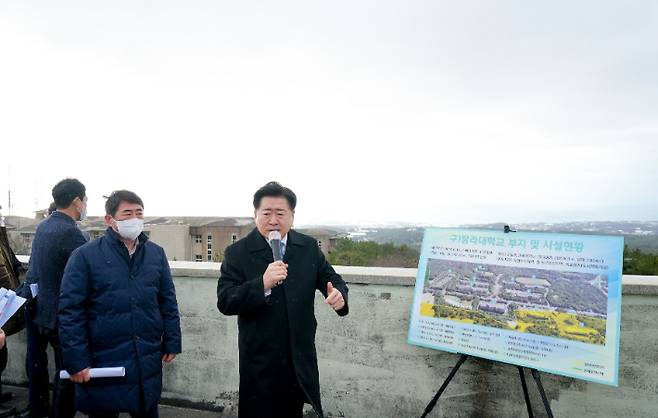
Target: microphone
<point x="275" y="242"/>
<point x="274" y="238"/>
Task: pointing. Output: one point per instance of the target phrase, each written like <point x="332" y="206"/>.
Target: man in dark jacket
<point x="10" y="269"/>
<point x="55" y="239"/>
<point x="4" y="411"/>
<point x="118" y="308"/>
<point x="274" y="301"/>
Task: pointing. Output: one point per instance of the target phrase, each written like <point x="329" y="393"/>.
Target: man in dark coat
<point x="10" y="268"/>
<point x="55" y="239"/>
<point x="118" y="309"/>
<point x="274" y="301"/>
<point x="4" y="411"/>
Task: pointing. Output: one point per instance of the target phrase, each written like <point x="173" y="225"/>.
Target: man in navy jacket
<point x="56" y="238"/>
<point x="118" y="308"/>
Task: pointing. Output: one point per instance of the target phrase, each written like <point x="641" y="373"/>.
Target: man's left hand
<point x="168" y="358"/>
<point x="334" y="297"/>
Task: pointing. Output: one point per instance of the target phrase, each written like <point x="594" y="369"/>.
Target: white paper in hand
<point x="10" y="302"/>
<point x="99" y="372"/>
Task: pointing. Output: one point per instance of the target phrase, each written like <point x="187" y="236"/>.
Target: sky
<point x="429" y="112"/>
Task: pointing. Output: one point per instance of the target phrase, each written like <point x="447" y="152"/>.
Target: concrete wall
<point x="368" y="370"/>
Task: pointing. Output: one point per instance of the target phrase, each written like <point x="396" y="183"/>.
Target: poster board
<point x="546" y="301"/>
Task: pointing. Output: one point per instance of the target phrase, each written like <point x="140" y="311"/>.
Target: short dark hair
<point x="66" y="191"/>
<point x="274" y="189"/>
<point x="52" y="208"/>
<point x="116" y="197"/>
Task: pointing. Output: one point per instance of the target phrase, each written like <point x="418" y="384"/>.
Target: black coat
<point x="10" y="270"/>
<point x="116" y="311"/>
<point x="56" y="238"/>
<point x="276" y="333"/>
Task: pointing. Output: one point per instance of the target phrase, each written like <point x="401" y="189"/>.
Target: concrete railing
<point x="367" y="369"/>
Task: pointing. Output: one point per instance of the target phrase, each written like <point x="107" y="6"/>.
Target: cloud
<point x="378" y="111"/>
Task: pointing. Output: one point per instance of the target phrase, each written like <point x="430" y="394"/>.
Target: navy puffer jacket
<point x="115" y="310"/>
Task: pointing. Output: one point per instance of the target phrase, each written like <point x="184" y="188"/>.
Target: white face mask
<point x="130" y="228"/>
<point x="83" y="213"/>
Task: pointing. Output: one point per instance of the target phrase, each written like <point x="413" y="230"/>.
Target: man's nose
<point x="273" y="220"/>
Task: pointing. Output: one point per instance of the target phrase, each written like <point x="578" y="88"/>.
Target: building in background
<point x="326" y="238"/>
<point x="195" y="238"/>
<point x="184" y="238"/>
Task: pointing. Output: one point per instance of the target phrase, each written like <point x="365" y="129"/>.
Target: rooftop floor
<point x="19" y="401"/>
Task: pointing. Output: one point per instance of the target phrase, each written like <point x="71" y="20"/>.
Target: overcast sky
<point x="371" y="111"/>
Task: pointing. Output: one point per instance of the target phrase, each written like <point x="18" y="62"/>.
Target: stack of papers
<point x="10" y="302"/>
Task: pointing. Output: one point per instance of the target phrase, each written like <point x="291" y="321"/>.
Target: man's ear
<point x="108" y="221"/>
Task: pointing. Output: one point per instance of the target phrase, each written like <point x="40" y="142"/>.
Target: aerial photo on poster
<point x="547" y="301"/>
<point x="567" y="304"/>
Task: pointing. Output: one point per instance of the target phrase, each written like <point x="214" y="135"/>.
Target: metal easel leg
<point x="547" y="406"/>
<point x="443" y="387"/>
<point x="525" y="392"/>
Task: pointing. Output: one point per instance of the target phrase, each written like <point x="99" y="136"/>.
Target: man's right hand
<point x="81" y="376"/>
<point x="275" y="273"/>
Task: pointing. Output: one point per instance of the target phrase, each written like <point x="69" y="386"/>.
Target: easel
<point x="535" y="375"/>
<point x="534" y="372"/>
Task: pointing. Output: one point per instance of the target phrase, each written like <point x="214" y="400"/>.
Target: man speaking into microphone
<point x="269" y="279"/>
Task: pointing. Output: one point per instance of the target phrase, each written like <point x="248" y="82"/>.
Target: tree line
<point x="639" y="262"/>
<point x="372" y="254"/>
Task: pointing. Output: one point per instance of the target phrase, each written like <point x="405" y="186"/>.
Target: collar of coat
<point x="64" y="217"/>
<point x="257" y="244"/>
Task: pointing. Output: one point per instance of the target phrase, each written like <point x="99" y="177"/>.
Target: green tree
<point x="369" y="253"/>
<point x="640" y="263"/>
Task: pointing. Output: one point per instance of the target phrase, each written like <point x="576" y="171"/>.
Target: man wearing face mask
<point x="118" y="308"/>
<point x="56" y="238"/>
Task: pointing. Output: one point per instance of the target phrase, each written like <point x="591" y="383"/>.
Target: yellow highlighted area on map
<point x="572" y="326"/>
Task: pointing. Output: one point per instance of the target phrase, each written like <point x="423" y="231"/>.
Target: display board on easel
<point x="544" y="301"/>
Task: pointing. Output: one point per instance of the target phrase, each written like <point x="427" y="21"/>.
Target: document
<point x="99" y="372"/>
<point x="10" y="302"/>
